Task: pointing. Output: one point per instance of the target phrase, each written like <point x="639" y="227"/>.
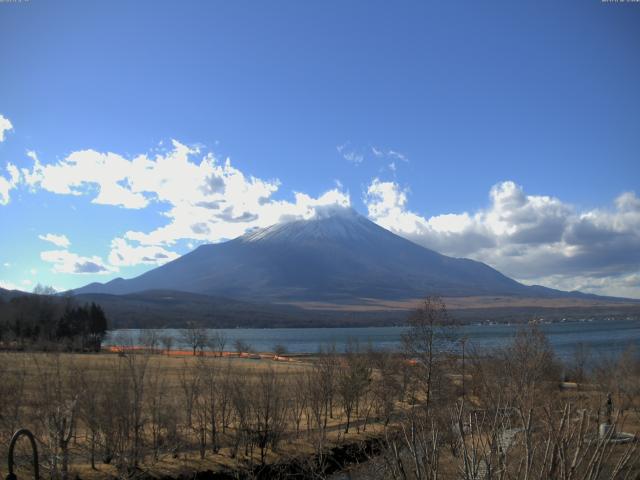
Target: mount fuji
<point x="338" y="256"/>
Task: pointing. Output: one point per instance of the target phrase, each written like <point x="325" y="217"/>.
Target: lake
<point x="601" y="337"/>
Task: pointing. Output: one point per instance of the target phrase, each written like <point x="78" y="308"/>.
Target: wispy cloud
<point x="392" y="156"/>
<point x="65" y="261"/>
<point x="124" y="254"/>
<point x="5" y="126"/>
<point x="349" y="154"/>
<point x="57" y="240"/>
<point x="8" y="183"/>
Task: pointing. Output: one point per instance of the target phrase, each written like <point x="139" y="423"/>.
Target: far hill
<point x="173" y="309"/>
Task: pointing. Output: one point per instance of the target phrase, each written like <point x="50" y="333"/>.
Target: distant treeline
<point x="43" y="320"/>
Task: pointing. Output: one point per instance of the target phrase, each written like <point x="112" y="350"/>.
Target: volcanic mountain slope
<point x="338" y="256"/>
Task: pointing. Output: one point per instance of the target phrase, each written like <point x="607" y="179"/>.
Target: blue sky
<point x="508" y="132"/>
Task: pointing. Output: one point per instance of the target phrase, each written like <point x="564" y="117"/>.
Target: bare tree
<point x="136" y="368"/>
<point x="238" y="385"/>
<point x="189" y="385"/>
<point x="195" y="337"/>
<point x="90" y="385"/>
<point x="160" y="412"/>
<point x="279" y="349"/>
<point x="58" y="406"/>
<point x="217" y="342"/>
<point x="317" y="405"/>
<point x="212" y="398"/>
<point x="241" y="346"/>
<point x="619" y="376"/>
<point x="167" y="343"/>
<point x="112" y="418"/>
<point x="560" y="447"/>
<point x="269" y="411"/>
<point x="430" y="329"/>
<point x="149" y="339"/>
<point x="530" y="367"/>
<point x="201" y="405"/>
<point x="353" y="379"/>
<point x="40" y="289"/>
<point x="298" y="399"/>
<point x="327" y="366"/>
<point x="413" y="450"/>
<point x="577" y="368"/>
<point x="386" y="385"/>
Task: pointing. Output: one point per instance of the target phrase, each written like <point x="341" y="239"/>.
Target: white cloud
<point x="57" y="240"/>
<point x="14" y="174"/>
<point x="5" y="126"/>
<point x="8" y="184"/>
<point x="533" y="238"/>
<point x="106" y="175"/>
<point x="349" y="154"/>
<point x="204" y="199"/>
<point x="397" y="155"/>
<point x="68" y="262"/>
<point x="26" y="282"/>
<point x="380" y="153"/>
<point x="124" y="254"/>
<point x="233" y="216"/>
<point x="392" y="156"/>
<point x="5" y="188"/>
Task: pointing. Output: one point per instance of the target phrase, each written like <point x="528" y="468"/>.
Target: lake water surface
<point x="601" y="337"/>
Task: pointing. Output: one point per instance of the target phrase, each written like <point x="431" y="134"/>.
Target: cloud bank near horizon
<point x="536" y="239"/>
<point x="532" y="238"/>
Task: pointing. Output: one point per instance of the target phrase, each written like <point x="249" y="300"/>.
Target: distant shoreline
<point x="601" y="336"/>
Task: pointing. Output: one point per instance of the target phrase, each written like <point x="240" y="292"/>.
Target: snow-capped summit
<point x="335" y="223"/>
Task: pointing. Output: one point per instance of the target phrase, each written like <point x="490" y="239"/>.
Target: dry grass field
<point x="464" y="303"/>
<point x="172" y="389"/>
<point x="137" y="414"/>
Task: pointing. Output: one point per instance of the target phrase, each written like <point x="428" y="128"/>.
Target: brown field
<point x="172" y="371"/>
<point x="143" y="414"/>
<point x="463" y="303"/>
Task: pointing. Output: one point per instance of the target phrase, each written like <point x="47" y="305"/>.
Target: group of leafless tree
<point x="434" y="413"/>
<point x="195" y="337"/>
<point x="127" y="411"/>
<point x="503" y="414"/>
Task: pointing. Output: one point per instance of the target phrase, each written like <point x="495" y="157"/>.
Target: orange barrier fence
<point x="189" y="353"/>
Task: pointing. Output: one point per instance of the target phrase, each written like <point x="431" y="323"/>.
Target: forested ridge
<point x="43" y="320"/>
